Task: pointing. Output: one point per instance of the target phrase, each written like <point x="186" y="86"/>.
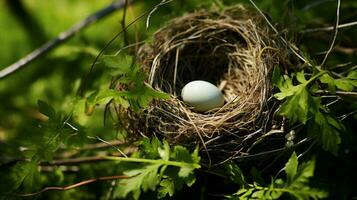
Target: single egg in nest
<point x="202" y="96"/>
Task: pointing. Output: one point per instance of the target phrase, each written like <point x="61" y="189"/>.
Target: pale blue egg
<point x="202" y="95"/>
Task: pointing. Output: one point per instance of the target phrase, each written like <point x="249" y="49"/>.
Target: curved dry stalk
<point x="76" y="185"/>
<point x="334" y="34"/>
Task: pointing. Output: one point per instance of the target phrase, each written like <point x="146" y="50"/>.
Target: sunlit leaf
<point x="291" y="168"/>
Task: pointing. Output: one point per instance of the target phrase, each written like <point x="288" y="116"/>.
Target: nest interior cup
<point x="232" y="49"/>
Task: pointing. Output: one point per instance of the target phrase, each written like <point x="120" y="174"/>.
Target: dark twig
<point x="79" y="184"/>
<point x="61" y="38"/>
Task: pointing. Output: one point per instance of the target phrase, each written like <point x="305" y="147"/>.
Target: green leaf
<point x="25" y="174"/>
<point x="181" y="154"/>
<point x="288" y="89"/>
<point x="344" y="84"/>
<point x="167" y="187"/>
<point x="165" y="151"/>
<point x="327" y="79"/>
<point x="105" y="96"/>
<point x="145" y="178"/>
<point x="50" y="135"/>
<point x="326" y="130"/>
<point x="236" y="174"/>
<point x="135" y="93"/>
<point x="150" y="148"/>
<point x="140" y="96"/>
<point x="173" y="168"/>
<point x="119" y="65"/>
<point x="296" y="108"/>
<point x="300" y="76"/>
<point x="298" y="99"/>
<point x="306" y="170"/>
<point x="291" y="168"/>
<point x="296" y="186"/>
<point x="352" y="75"/>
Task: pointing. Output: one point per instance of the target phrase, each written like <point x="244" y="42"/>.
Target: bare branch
<point x="61" y="38"/>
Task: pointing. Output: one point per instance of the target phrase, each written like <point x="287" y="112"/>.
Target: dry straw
<point x="233" y="49"/>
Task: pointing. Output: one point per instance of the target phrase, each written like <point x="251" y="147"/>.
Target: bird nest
<point x="232" y="49"/>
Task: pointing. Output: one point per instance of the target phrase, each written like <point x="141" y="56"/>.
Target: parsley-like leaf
<point x="297" y="97"/>
<point x="167" y="187"/>
<point x="300" y="105"/>
<point x="134" y="93"/>
<point x="167" y="168"/>
<point x="296" y="185"/>
<point x="346" y="83"/>
<point x="144" y="178"/>
<point x="291" y="168"/>
<point x="327" y="130"/>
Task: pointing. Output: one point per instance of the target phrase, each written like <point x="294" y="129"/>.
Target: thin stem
<point x="315" y="77"/>
<point x="330" y="28"/>
<point x="76" y="161"/>
<point x="288" y="44"/>
<point x="163" y="2"/>
<point x="334" y="34"/>
<point x="151" y="161"/>
<point x="82" y="87"/>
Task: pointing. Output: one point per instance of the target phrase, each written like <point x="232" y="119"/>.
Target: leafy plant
<point x="302" y="104"/>
<point x="295" y="184"/>
<point x="163" y="168"/>
<point x="133" y="93"/>
<point x="56" y="130"/>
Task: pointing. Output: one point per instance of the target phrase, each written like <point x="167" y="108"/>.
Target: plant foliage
<point x="295" y="185"/>
<point x="163" y="168"/>
<point x="302" y="104"/>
